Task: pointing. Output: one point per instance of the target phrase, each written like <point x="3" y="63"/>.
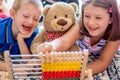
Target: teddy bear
<point x="58" y="19"/>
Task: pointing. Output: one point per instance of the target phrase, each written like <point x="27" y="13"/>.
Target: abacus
<point x="3" y="75"/>
<point x="52" y="66"/>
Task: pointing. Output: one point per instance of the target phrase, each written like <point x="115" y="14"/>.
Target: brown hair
<point x="17" y="3"/>
<point x="113" y="30"/>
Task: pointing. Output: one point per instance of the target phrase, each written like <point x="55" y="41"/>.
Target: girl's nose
<point x="91" y="22"/>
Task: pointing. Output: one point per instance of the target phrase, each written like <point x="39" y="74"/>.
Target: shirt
<point x="84" y="43"/>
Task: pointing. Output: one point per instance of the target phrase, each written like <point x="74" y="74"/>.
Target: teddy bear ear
<point x="46" y="9"/>
<point x="74" y="5"/>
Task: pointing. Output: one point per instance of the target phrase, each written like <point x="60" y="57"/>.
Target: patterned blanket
<point x="112" y="72"/>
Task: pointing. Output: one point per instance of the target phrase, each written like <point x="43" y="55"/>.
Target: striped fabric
<point x="113" y="71"/>
<point x="84" y="43"/>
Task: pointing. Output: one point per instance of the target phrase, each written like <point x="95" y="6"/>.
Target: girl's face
<point x="26" y="18"/>
<point x="96" y="20"/>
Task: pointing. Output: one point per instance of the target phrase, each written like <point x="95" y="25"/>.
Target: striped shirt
<point x="84" y="43"/>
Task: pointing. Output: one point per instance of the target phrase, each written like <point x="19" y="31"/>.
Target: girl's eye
<point x="86" y="16"/>
<point x="98" y="18"/>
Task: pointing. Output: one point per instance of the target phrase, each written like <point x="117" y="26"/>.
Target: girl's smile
<point x="96" y="20"/>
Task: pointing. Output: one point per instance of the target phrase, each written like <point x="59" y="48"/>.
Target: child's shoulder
<point x="5" y="21"/>
<point x="1" y="19"/>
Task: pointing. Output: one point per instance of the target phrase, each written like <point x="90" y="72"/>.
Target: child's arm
<point x="22" y="45"/>
<point x="106" y="57"/>
<point x="3" y="66"/>
<point x="63" y="43"/>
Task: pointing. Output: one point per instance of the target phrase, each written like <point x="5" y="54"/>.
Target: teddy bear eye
<point x="66" y="16"/>
<point x="55" y="17"/>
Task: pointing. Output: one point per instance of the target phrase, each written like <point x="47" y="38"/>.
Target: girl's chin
<point x="93" y="35"/>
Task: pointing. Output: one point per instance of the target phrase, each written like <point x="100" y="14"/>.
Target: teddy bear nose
<point x="61" y="22"/>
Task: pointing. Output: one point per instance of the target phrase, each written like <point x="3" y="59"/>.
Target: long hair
<point x="113" y="30"/>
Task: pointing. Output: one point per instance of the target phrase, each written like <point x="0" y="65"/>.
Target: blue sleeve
<point x="1" y="19"/>
<point x="4" y="47"/>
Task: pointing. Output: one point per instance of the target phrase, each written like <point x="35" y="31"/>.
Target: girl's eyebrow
<point x="86" y="12"/>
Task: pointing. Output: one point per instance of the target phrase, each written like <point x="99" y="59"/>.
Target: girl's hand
<point x="45" y="47"/>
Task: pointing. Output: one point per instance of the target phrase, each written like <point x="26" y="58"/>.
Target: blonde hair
<point x="17" y="3"/>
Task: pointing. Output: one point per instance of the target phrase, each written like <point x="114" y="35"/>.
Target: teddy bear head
<point x="59" y="17"/>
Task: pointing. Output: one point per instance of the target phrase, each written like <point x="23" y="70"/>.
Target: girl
<point x="17" y="31"/>
<point x="98" y="31"/>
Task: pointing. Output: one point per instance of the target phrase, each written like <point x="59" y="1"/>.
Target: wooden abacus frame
<point x="3" y="75"/>
<point x="52" y="56"/>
